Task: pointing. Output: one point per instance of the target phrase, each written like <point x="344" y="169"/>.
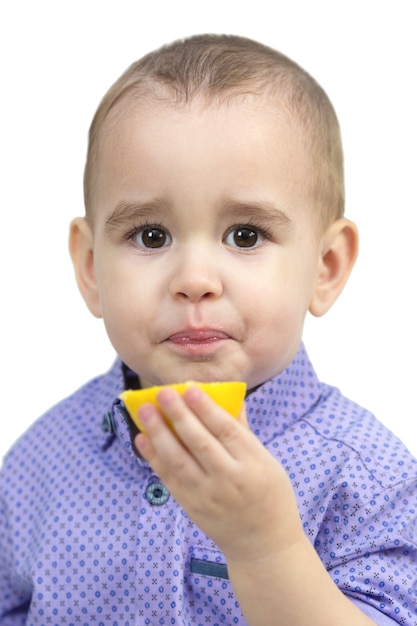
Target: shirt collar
<point x="288" y="397"/>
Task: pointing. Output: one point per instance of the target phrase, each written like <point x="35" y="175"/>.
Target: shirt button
<point x="108" y="425"/>
<point x="157" y="493"/>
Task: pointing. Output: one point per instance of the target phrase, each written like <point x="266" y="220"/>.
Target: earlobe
<point x="338" y="255"/>
<point x="81" y="247"/>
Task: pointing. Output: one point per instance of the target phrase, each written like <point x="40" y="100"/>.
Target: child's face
<point x="205" y="247"/>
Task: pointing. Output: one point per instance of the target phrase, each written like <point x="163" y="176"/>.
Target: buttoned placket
<point x="116" y="423"/>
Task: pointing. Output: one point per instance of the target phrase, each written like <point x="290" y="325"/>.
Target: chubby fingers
<point x="214" y="421"/>
<point x="163" y="449"/>
<point x="200" y="429"/>
<point x="204" y="425"/>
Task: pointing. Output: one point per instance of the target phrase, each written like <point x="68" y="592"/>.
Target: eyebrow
<point x="127" y="212"/>
<point x="264" y="211"/>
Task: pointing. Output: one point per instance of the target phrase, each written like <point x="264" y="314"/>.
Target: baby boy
<point x="214" y="223"/>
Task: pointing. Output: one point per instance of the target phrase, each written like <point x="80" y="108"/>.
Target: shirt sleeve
<point x="380" y="619"/>
<point x="372" y="556"/>
<point x="14" y="599"/>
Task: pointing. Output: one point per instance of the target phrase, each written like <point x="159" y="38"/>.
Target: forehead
<point x="239" y="143"/>
<point x="150" y="111"/>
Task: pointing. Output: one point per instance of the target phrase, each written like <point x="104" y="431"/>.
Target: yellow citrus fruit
<point x="228" y="395"/>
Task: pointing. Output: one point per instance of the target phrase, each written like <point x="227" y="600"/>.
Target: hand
<point x="221" y="475"/>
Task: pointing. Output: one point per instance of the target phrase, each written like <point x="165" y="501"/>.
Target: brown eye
<point x="152" y="238"/>
<point x="243" y="237"/>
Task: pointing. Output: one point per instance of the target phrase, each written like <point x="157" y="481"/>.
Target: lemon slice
<point x="228" y="395"/>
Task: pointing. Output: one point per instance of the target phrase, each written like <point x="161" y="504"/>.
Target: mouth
<point x="197" y="340"/>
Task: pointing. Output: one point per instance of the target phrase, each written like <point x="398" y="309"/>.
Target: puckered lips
<point x="198" y="339"/>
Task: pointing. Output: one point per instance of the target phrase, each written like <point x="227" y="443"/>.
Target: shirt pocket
<point x="208" y="589"/>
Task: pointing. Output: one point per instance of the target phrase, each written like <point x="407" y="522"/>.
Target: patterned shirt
<point x="89" y="536"/>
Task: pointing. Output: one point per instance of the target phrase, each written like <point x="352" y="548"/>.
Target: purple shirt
<point x="89" y="536"/>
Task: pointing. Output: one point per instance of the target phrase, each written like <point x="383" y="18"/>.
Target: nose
<point x="196" y="274"/>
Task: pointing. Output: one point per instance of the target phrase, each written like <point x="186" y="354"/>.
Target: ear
<point x="81" y="247"/>
<point x="339" y="250"/>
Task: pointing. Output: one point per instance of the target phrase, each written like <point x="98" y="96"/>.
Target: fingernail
<point x="193" y="394"/>
<point x="146" y="412"/>
<point x="165" y="397"/>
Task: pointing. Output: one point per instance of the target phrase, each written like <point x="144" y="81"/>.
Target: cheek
<point x="126" y="327"/>
<point x="117" y="296"/>
<point x="278" y="294"/>
<point x="118" y="282"/>
<point x="275" y="313"/>
<point x="129" y="303"/>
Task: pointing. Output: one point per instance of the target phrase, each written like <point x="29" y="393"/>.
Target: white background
<point x="57" y="60"/>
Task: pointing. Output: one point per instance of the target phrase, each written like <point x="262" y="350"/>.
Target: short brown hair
<point x="221" y="67"/>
